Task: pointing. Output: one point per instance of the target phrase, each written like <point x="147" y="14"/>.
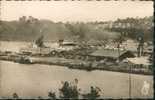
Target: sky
<point x="73" y="11"/>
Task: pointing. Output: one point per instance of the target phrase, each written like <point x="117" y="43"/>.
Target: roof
<point x="107" y="53"/>
<point x="69" y="43"/>
<point x="139" y="60"/>
<point x="36" y="50"/>
<point x="150" y="47"/>
<point x="132" y="49"/>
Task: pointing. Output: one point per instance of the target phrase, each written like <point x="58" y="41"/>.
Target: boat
<point x="24" y="60"/>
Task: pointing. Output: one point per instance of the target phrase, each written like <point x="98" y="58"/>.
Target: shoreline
<point x="78" y="64"/>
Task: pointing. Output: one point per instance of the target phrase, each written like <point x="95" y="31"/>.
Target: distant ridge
<point x="30" y="29"/>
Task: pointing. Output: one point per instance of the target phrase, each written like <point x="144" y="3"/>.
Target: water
<point x="12" y="46"/>
<point x="37" y="80"/>
<point x="16" y="46"/>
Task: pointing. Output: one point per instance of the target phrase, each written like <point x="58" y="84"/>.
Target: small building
<point x="33" y="49"/>
<point x="148" y="50"/>
<point x="139" y="62"/>
<point x="111" y="54"/>
<point x="130" y="45"/>
<point x="67" y="45"/>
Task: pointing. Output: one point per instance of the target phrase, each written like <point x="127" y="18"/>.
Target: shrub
<point x="69" y="90"/>
<point x="15" y="96"/>
<point x="52" y="95"/>
<point x="94" y="93"/>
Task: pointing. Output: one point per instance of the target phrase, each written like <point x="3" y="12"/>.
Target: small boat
<point x="24" y="60"/>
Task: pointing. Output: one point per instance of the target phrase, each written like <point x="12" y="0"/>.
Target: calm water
<point x="16" y="46"/>
<point x="37" y="80"/>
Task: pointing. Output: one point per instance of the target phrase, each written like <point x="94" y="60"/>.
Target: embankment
<point x="79" y="64"/>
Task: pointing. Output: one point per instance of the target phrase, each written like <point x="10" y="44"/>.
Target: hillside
<point x="29" y="29"/>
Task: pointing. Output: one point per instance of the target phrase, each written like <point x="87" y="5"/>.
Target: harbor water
<point x="31" y="81"/>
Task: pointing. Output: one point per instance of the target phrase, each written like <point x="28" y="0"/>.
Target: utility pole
<point x="130" y="82"/>
<point x="140" y="46"/>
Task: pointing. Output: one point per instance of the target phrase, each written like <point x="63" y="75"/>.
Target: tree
<point x="15" y="96"/>
<point x="39" y="42"/>
<point x="69" y="91"/>
<point x="52" y="95"/>
<point x="79" y="30"/>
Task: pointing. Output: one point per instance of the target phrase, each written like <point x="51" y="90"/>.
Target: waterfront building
<point x="111" y="54"/>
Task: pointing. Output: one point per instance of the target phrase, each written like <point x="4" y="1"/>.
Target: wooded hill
<point x="29" y="29"/>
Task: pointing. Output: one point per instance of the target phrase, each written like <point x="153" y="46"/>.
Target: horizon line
<point x="67" y="21"/>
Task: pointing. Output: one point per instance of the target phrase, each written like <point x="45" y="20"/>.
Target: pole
<point x="130" y="82"/>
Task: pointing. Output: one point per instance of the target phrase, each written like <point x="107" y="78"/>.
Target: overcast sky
<point x="76" y="10"/>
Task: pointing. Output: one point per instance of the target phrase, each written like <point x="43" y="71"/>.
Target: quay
<point x="77" y="64"/>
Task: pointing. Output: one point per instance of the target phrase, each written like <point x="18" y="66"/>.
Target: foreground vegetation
<point x="69" y="90"/>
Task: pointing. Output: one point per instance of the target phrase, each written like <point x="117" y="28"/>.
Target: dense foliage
<point x="29" y="29"/>
<point x="134" y="27"/>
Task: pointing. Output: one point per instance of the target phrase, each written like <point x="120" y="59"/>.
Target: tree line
<point x="134" y="27"/>
<point x="29" y="29"/>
